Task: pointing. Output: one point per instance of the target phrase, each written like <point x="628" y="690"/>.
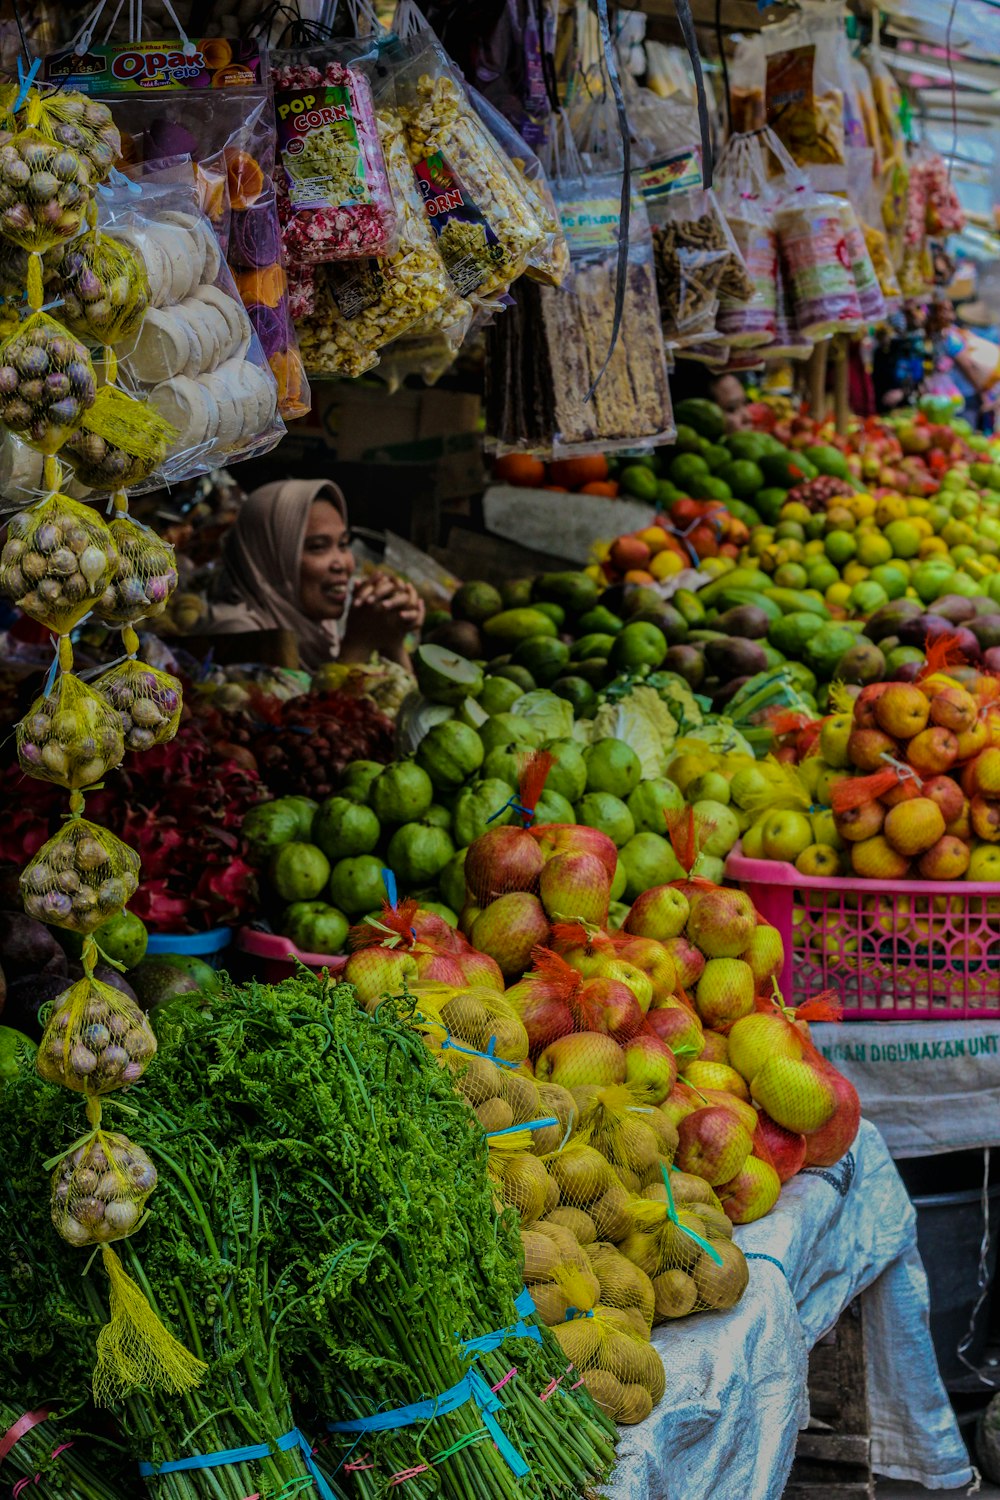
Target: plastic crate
<point x="892" y="950"/>
<point x="209" y="946"/>
<point x="278" y="956"/>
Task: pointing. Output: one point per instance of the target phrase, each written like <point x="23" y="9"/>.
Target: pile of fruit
<point x="629" y="1125"/>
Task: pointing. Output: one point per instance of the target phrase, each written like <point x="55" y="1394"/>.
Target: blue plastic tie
<point x="759" y="1255"/>
<point x="529" y="1125"/>
<point x="227" y="1456"/>
<point x="578" y="1312"/>
<point x="389" y="881"/>
<point x="489" y="1054"/>
<point x="472" y="1387"/>
<point x="25" y="80"/>
<point x="528" y="813"/>
<point x="487" y="1342"/>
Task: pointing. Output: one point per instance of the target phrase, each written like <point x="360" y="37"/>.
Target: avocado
<point x="704" y="416"/>
<point x="155" y="980"/>
<point x="828" y="460"/>
<point x="731" y="657"/>
<point x="576" y="592"/>
<point x="733" y="598"/>
<point x="519" y="624"/>
<point x="824" y="650"/>
<point x="861" y="663"/>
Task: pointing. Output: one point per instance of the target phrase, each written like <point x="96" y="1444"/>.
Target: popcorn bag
<point x="47" y="382"/>
<point x="58" y="560"/>
<point x="120" y="442"/>
<point x="70" y="735"/>
<point x="80" y="878"/>
<point x="96" y="1040"/>
<point x="99" y="1191"/>
<point x="146" y="701"/>
<point x="144" y="576"/>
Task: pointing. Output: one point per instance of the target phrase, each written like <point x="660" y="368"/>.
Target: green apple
<point x="984" y="863"/>
<point x="785" y="834"/>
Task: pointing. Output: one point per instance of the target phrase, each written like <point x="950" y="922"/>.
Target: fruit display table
<point x="736" y="1382"/>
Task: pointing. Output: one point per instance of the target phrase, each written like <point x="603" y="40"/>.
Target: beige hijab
<point x="259" y="585"/>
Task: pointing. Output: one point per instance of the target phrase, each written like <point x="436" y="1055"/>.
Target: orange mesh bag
<point x="555" y="1000"/>
<point x="690" y="1260"/>
<point x="57" y="561"/>
<point x="47" y="382"/>
<point x="145" y="575"/>
<point x="99" y="1190"/>
<point x="80" y="878"/>
<point x="70" y="735"/>
<point x="619" y="1367"/>
<point x="440" y="954"/>
<point x="147" y="702"/>
<point x="96" y="1040"/>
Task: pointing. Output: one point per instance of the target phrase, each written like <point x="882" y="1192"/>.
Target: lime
<point x="601" y="620"/>
<point x="612" y="766"/>
<point x="555" y="612"/>
<point x="450" y="753"/>
<point x="903" y="537"/>
<point x="342" y="827"/>
<point x="356" y="885"/>
<point x="475" y="601"/>
<point x="506" y="763"/>
<point x="269" y="825"/>
<point x="437" y="816"/>
<point x="840" y="547"/>
<point x="499" y="694"/>
<point x="687" y="468"/>
<point x="440" y="910"/>
<point x="866" y="597"/>
<point x="402" y="793"/>
<point x="608" y="814"/>
<point x="638" y="645"/>
<point x="123" y="939"/>
<point x="418" y="853"/>
<point x="890" y="577"/>
<point x="509" y="729"/>
<point x="298" y="872"/>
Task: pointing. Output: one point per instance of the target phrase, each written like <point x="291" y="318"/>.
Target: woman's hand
<point x="384" y="609"/>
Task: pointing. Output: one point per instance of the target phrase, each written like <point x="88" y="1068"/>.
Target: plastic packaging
<point x="144" y="576"/>
<point x="57" y="561"/>
<point x="80" y="878"/>
<point x="748" y="201"/>
<point x="100" y="1189"/>
<point x="698" y="263"/>
<point x="817" y="264"/>
<point x="811" y="104"/>
<point x="69" y="735"/>
<point x="549" y="262"/>
<point x="334" y="198"/>
<point x="47" y="382"/>
<point x="96" y="1040"/>
<point x="870" y="298"/>
<point x="747" y="86"/>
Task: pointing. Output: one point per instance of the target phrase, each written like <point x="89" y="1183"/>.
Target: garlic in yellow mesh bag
<point x="99" y="1190"/>
<point x="57" y="562"/>
<point x="47" y="382"/>
<point x="80" y="878"/>
<point x="71" y="735"/>
<point x="144" y="578"/>
<point x="72" y="120"/>
<point x="44" y="190"/>
<point x="96" y="1040"/>
<point x="363" y="305"/>
<point x="622" y="1371"/>
<point x="146" y="702"/>
<point x="120" y="442"/>
<point x="105" y="289"/>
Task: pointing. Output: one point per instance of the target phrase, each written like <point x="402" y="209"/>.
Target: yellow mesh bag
<point x="134" y="1350"/>
<point x="519" y="1179"/>
<point x="144" y="578"/>
<point x="621" y="1370"/>
<point x="613" y="1123"/>
<point x="96" y="1040"/>
<point x="146" y="700"/>
<point x="71" y="119"/>
<point x="474" y="1016"/>
<point x="105" y="289"/>
<point x="46" y="382"/>
<point x="70" y="735"/>
<point x="80" y="878"/>
<point x="688" y="1255"/>
<point x="44" y="190"/>
<point x="557" y="1273"/>
<point x="623" y="1285"/>
<point x="587" y="1181"/>
<point x="99" y="1190"/>
<point x="119" y="442"/>
<point x="57" y="562"/>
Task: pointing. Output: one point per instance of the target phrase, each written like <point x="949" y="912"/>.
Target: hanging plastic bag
<point x="334" y="197"/>
<point x="698" y="263"/>
<point x="80" y="878"/>
<point x="549" y="262"/>
<point x="96" y="1040"/>
<point x="870" y="298"/>
<point x="748" y="202"/>
<point x="817" y="263"/>
<point x="748" y="86"/>
<point x="144" y="577"/>
<point x="811" y="104"/>
<point x="57" y="561"/>
<point x="69" y="735"/>
<point x="99" y="1190"/>
<point x="47" y="382"/>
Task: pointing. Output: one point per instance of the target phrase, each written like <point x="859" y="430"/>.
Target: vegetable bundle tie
<point x="486" y="1342"/>
<point x="472" y="1387"/>
<point x="293" y="1439"/>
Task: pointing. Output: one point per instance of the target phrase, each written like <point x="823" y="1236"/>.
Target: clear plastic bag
<point x="69" y="735"/>
<point x="57" y="561"/>
<point x="817" y="264"/>
<point x="80" y="878"/>
<point x="698" y="263"/>
<point x="870" y="298"/>
<point x="748" y="86"/>
<point x="549" y="263"/>
<point x="748" y="202"/>
<point x="334" y="197"/>
<point x="810" y="101"/>
<point x="47" y="382"/>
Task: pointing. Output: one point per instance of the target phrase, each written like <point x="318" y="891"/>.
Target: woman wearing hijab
<point x="287" y="564"/>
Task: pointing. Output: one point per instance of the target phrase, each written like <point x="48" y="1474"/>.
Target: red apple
<point x="784" y="1149"/>
<point x="827" y="1145"/>
<point x="752" y="1192"/>
<point x="712" y="1144"/>
<point x="502" y="860"/>
<point x="573" y="838"/>
<point x="650" y="1068"/>
<point x="946" y="793"/>
<point x="585" y="1057"/>
<point x="660" y="913"/>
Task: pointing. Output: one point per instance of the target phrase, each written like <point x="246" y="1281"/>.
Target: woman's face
<point x="327" y="563"/>
<point x="730" y="395"/>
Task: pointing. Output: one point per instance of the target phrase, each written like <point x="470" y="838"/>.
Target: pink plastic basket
<point x="893" y="950"/>
<point x="277" y="956"/>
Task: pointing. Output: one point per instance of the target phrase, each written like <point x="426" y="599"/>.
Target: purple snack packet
<point x="254" y="236"/>
<point x="270" y="325"/>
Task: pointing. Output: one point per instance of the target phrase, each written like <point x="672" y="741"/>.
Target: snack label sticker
<point x="680" y="172"/>
<point x="357" y="289"/>
<point x="590" y="223"/>
<point x="133" y="67"/>
<point x="320" y="149"/>
<point x="466" y="242"/>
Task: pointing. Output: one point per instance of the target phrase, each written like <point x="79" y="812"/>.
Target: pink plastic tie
<point x="501" y="1383"/>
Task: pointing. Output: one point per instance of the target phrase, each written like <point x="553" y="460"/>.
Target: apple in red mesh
<point x="440" y="968"/>
<point x="650" y="1068"/>
<point x="902" y="711"/>
<point x="502" y="860"/>
<point x="827" y="1145"/>
<point x="573" y="838"/>
<point x="508" y="929"/>
<point x="575" y="888"/>
<point x="660" y="913"/>
<point x="378" y="971"/>
<point x="866" y="703"/>
<point x="689" y="961"/>
<point x="868" y="748"/>
<point x="653" y="960"/>
<point x="784" y="1149"/>
<point x="682" y="1100"/>
<point x="932" y="751"/>
<point x="948" y="859"/>
<point x="677" y="1025"/>
<point x="985" y="815"/>
<point x="585" y="1057"/>
<point x="712" y="1144"/>
<point x="954" y="709"/>
<point x="862" y="822"/>
<point x="751" y="1193"/>
<point x="905" y="790"/>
